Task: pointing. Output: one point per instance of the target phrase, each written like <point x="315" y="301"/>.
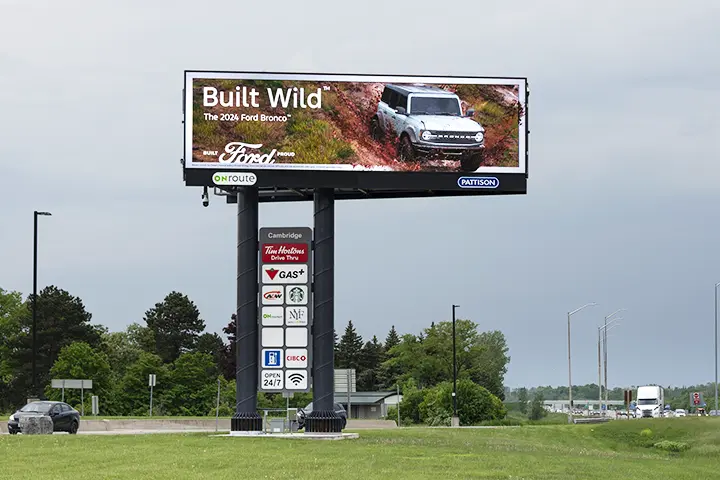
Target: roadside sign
<point x="285" y="310"/>
<point x="95" y="405"/>
<point x="151" y="380"/>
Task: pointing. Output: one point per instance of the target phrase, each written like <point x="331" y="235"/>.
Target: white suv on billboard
<point x="428" y="121"/>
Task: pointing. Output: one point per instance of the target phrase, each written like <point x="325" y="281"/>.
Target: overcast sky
<point x="622" y="205"/>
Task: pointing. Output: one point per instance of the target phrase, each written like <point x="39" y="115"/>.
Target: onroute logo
<point x="234" y="178"/>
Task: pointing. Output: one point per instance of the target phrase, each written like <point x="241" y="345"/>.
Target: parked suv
<point x="428" y="122"/>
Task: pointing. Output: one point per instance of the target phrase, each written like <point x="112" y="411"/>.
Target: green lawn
<point x="602" y="451"/>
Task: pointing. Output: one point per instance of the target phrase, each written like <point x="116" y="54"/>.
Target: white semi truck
<point x="650" y="401"/>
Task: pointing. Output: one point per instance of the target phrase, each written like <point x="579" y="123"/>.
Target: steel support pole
<point x="323" y="417"/>
<point x="455" y="412"/>
<point x="35" y="392"/>
<point x="605" y="366"/>
<point x="246" y="418"/>
<point x="716" y="345"/>
<point x="570" y="412"/>
<point x="599" y="374"/>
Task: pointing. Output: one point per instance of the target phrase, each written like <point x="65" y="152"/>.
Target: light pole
<point x="569" y="363"/>
<point x="716" y="344"/>
<point x="36" y="214"/>
<point x="456" y="419"/>
<point x="605" y="328"/>
<point x="602" y="328"/>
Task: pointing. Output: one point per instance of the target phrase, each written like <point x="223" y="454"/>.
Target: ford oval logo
<point x="478" y="182"/>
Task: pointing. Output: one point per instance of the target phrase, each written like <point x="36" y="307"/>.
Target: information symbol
<point x="296" y="378"/>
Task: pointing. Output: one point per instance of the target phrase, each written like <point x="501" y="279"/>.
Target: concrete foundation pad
<point x="308" y="436"/>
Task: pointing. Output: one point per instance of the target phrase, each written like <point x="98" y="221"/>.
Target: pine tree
<point x="371" y="358"/>
<point x="392" y="339"/>
<point x="388" y="374"/>
<point x="350" y="349"/>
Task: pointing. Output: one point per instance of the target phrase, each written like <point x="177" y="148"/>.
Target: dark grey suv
<point x="64" y="417"/>
<point x="303" y="412"/>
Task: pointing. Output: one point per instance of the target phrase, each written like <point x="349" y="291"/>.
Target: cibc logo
<point x="478" y="182"/>
<point x="231" y="178"/>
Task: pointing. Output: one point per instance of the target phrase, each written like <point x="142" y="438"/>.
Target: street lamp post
<point x="456" y="419"/>
<point x="569" y="363"/>
<point x="605" y="329"/>
<point x="36" y="214"/>
<point x="599" y="371"/>
<point x="716" y="344"/>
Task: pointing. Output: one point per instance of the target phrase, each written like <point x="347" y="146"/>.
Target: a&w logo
<point x="237" y="152"/>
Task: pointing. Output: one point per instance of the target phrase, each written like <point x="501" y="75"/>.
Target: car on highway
<point x="680" y="412"/>
<point x="64" y="417"/>
<point x="304" y="412"/>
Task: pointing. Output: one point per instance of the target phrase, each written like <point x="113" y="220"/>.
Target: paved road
<point x="130" y="432"/>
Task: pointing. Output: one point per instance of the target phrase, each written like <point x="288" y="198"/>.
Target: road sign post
<point x="151" y="384"/>
<point x="285" y="319"/>
<point x="95" y="405"/>
<point x="81" y="385"/>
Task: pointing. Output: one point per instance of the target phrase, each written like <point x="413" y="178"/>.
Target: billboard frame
<point x="356" y="184"/>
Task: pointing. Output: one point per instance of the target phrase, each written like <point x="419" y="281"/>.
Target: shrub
<point x="224" y="411"/>
<point x="475" y="404"/>
<point x="670" y="446"/>
<point x="410" y="405"/>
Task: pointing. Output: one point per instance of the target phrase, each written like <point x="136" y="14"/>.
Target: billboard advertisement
<point x="354" y="131"/>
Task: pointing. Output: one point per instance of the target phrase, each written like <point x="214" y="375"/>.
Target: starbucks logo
<point x="296" y="295"/>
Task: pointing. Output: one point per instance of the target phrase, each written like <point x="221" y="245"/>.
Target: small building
<point x="368" y="405"/>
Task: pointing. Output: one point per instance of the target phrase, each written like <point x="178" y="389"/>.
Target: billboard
<point x="285" y="310"/>
<point x="355" y="131"/>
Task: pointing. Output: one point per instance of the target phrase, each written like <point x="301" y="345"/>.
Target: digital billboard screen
<point x="354" y="131"/>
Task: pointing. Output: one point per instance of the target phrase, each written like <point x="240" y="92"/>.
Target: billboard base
<point x="246" y="422"/>
<point x="325" y="421"/>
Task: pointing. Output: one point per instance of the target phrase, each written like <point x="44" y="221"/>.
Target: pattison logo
<point x="478" y="182"/>
<point x="230" y="178"/>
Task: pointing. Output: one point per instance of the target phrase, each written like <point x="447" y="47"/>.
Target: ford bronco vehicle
<point x="429" y="123"/>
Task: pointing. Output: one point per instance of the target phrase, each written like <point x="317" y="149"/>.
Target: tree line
<point x="191" y="364"/>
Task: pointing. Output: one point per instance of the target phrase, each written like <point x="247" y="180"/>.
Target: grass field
<point x="603" y="451"/>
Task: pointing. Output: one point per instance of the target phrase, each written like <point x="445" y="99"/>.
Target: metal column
<point x="246" y="417"/>
<point x="323" y="418"/>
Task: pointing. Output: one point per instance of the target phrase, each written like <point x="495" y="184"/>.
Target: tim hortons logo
<point x="285" y="253"/>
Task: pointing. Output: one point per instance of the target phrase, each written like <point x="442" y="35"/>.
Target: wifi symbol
<point x="296" y="378"/>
